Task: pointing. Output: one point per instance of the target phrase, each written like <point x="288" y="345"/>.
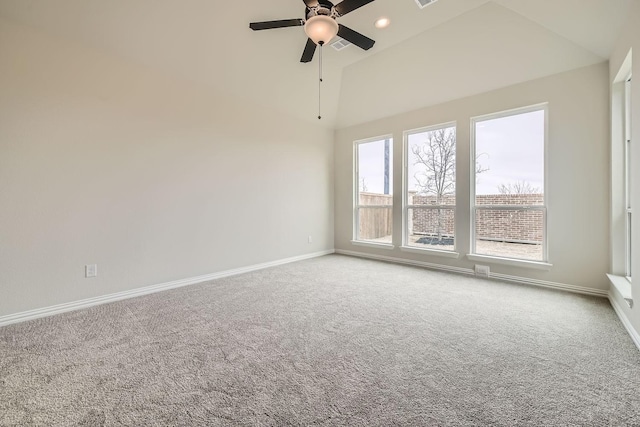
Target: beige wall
<point x="484" y="49"/>
<point x="630" y="39"/>
<point x="578" y="187"/>
<point x="152" y="178"/>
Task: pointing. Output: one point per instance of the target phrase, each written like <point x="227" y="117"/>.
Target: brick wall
<point x="510" y="226"/>
<point x="430" y="221"/>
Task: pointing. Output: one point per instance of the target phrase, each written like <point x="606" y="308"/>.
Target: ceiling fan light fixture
<point x="321" y="29"/>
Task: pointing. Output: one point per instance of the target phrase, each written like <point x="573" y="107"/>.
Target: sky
<point x="371" y="166"/>
<point x="512" y="148"/>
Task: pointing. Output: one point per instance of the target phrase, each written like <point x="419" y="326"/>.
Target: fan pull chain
<point x="320" y="83"/>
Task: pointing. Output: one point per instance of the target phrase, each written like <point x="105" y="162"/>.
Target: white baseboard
<point x="553" y="285"/>
<point x="407" y="262"/>
<point x="625" y="320"/>
<point x="498" y="276"/>
<point x="89" y="302"/>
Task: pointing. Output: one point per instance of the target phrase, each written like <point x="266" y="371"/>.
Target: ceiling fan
<point x="320" y="25"/>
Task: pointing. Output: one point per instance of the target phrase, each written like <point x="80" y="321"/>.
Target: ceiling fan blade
<point x="355" y="37"/>
<point x="309" y="51"/>
<point x="346" y="6"/>
<point x="268" y="25"/>
<point x="311" y="3"/>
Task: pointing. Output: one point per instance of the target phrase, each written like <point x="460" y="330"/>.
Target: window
<point x="430" y="188"/>
<point x="508" y="201"/>
<point x="621" y="180"/>
<point x="627" y="174"/>
<point x="373" y="213"/>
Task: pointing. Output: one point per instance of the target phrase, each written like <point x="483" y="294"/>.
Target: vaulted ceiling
<point x="448" y="50"/>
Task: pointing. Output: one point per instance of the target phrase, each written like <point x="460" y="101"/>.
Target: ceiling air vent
<point x="424" y="3"/>
<point x="340" y="44"/>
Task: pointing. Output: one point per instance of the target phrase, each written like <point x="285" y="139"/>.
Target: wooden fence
<point x="375" y="222"/>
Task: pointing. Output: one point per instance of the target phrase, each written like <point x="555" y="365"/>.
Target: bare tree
<point x="437" y="160"/>
<point x="363" y="185"/>
<point x="519" y="187"/>
<point x="479" y="167"/>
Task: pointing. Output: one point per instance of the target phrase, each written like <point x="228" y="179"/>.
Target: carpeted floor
<point x="329" y="341"/>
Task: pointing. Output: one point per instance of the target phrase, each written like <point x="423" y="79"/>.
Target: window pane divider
<point x="511" y="207"/>
<point x="430" y="206"/>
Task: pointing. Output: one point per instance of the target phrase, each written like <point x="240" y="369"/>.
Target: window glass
<point x="509" y="211"/>
<point x="374" y="184"/>
<point x="430" y="188"/>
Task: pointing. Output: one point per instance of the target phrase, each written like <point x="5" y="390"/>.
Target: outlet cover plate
<point x="91" y="270"/>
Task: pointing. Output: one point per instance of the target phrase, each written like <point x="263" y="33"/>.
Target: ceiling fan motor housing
<point x="324" y="8"/>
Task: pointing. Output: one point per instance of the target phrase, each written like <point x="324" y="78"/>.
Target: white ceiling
<point x="483" y="43"/>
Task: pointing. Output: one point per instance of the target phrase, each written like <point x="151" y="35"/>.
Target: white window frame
<point x="519" y="262"/>
<point x="356" y="193"/>
<point x="405" y="196"/>
<point x="627" y="177"/>
<point x="620" y="168"/>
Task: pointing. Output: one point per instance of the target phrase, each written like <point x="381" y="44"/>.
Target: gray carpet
<point x="329" y="341"/>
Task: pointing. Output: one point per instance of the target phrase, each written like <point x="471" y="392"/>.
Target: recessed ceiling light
<point x="382" y="22"/>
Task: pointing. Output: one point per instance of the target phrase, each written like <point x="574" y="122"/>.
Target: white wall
<point x="578" y="190"/>
<point x="630" y="39"/>
<point x="150" y="177"/>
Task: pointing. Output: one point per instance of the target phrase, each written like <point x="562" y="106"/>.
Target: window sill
<point x="538" y="265"/>
<point x="387" y="246"/>
<point x="434" y="252"/>
<point x="623" y="286"/>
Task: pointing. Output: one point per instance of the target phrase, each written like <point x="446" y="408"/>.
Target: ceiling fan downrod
<point x="320" y="81"/>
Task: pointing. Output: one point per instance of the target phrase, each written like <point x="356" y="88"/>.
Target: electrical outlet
<point x="482" y="270"/>
<point x="310" y="239"/>
<point x="91" y="270"/>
